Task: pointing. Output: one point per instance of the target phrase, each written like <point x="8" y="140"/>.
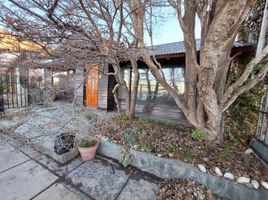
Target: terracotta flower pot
<point x="88" y="153"/>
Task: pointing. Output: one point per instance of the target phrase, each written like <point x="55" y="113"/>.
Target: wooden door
<point x="92" y="87"/>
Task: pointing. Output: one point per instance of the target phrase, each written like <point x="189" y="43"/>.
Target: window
<point x="150" y="90"/>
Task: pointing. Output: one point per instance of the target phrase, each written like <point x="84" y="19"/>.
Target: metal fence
<point x="14" y="91"/>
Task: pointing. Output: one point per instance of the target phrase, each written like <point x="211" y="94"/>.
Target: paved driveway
<point x="27" y="174"/>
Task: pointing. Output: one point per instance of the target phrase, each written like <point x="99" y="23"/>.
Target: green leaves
<point x="87" y="143"/>
<point x="196" y="134"/>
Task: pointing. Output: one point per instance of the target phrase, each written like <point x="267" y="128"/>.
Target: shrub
<point x="243" y="114"/>
<point x="129" y="136"/>
<point x="196" y="134"/>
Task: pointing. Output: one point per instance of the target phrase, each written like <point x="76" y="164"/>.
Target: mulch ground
<point x="170" y="140"/>
<point x="184" y="190"/>
<point x="174" y="141"/>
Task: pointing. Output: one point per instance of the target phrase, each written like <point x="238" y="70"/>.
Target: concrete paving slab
<point x="47" y="112"/>
<point x="5" y="125"/>
<point x="139" y="190"/>
<point x="25" y="148"/>
<point x="56" y="167"/>
<point x="40" y="121"/>
<point x="99" y="179"/>
<point x="24" y="181"/>
<point x="59" y="192"/>
<point x="29" y="131"/>
<point x="11" y="157"/>
<point x="4" y="144"/>
<point x="29" y="151"/>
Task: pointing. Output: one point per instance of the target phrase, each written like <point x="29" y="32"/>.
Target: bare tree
<point x="79" y="32"/>
<point x="207" y="96"/>
<point x="113" y="31"/>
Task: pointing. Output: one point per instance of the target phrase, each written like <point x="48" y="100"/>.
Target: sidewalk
<point x="27" y="174"/>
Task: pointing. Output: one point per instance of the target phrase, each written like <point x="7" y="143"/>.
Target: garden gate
<point x="13" y="91"/>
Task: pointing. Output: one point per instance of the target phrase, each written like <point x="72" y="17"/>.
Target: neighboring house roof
<point x="12" y="43"/>
<point x="11" y="46"/>
<point x="178" y="47"/>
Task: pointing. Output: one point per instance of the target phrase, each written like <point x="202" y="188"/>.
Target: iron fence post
<point x="2" y="105"/>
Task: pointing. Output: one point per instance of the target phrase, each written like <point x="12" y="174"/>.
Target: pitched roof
<point x="178" y="47"/>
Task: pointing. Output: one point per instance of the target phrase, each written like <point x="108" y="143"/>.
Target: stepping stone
<point x="40" y="121"/>
<point x="7" y="124"/>
<point x="11" y="157"/>
<point x="99" y="179"/>
<point x="28" y="131"/>
<point x="59" y="192"/>
<point x="25" y="181"/>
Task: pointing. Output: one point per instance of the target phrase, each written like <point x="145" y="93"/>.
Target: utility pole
<point x="261" y="125"/>
<point x="262" y="39"/>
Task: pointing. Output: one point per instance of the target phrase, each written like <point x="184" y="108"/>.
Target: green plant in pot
<point x="88" y="147"/>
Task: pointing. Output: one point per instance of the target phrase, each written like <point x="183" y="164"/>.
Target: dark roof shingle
<point x="178" y="47"/>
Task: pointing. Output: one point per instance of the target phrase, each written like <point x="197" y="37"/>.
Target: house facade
<point x="14" y="79"/>
<point x="152" y="99"/>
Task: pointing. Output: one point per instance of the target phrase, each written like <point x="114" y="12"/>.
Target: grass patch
<point x="225" y="153"/>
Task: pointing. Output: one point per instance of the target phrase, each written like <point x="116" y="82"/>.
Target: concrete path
<point x="43" y="124"/>
<point x="27" y="174"/>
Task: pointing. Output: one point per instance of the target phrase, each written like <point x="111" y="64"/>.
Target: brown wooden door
<point x="92" y="87"/>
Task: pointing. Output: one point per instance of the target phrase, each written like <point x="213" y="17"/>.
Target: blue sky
<point x="169" y="31"/>
<point x="167" y="28"/>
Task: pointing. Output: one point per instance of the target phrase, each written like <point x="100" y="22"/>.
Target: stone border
<point x="172" y="169"/>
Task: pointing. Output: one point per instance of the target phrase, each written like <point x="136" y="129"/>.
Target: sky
<point x="169" y="31"/>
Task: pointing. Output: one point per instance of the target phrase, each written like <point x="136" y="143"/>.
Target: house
<point x="14" y="79"/>
<point x="152" y="99"/>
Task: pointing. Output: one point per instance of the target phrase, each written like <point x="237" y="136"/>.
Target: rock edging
<point x="171" y="169"/>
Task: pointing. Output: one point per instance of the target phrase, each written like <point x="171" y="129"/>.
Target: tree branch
<point x="244" y="77"/>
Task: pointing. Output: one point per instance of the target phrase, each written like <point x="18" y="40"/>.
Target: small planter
<point x="88" y="147"/>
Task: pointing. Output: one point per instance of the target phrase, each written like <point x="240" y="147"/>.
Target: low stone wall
<point x="172" y="169"/>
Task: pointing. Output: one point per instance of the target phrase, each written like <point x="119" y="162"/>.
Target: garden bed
<point x="169" y="140"/>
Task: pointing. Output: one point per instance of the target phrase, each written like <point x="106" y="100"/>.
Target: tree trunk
<point x="134" y="90"/>
<point x="119" y="76"/>
<point x="129" y="92"/>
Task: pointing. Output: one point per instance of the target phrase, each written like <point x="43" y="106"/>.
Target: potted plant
<point x="88" y="147"/>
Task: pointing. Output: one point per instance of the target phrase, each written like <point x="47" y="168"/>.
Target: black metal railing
<point x="13" y="92"/>
<point x="2" y="105"/>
